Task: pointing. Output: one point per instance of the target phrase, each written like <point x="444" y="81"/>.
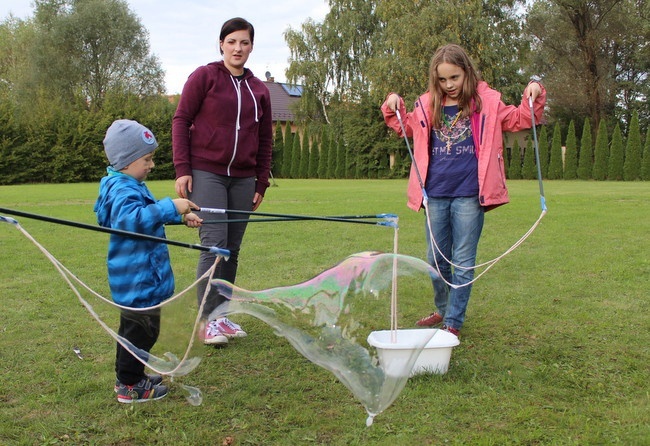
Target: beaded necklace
<point x="447" y="134"/>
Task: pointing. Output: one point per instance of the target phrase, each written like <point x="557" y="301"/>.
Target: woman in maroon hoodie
<point x="222" y="135"/>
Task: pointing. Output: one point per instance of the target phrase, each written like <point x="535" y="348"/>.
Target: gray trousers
<point x="217" y="191"/>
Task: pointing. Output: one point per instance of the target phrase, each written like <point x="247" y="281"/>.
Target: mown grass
<point x="555" y="349"/>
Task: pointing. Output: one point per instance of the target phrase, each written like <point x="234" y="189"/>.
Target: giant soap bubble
<point x="324" y="319"/>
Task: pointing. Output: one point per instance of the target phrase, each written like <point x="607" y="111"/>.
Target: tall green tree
<point x="514" y="168"/>
<point x="339" y="171"/>
<point x="304" y="155"/>
<point x="571" y="153"/>
<point x="590" y="53"/>
<point x="632" y="166"/>
<point x="331" y="157"/>
<point x="314" y="158"/>
<point x="329" y="58"/>
<point x="555" y="170"/>
<point x="86" y="48"/>
<point x="278" y="150"/>
<point x="288" y="151"/>
<point x="601" y="152"/>
<point x="645" y="160"/>
<point x="324" y="152"/>
<point x="528" y="169"/>
<point x="489" y="30"/>
<point x="295" y="156"/>
<point x="586" y="153"/>
<point x="616" y="160"/>
<point x="544" y="150"/>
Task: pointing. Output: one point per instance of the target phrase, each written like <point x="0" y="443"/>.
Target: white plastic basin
<point x="394" y="356"/>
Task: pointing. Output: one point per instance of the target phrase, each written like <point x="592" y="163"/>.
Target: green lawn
<point x="554" y="351"/>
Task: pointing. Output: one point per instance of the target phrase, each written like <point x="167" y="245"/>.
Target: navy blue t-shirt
<point x="453" y="167"/>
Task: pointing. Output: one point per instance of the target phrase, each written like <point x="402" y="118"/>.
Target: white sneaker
<point x="214" y="336"/>
<point x="229" y="329"/>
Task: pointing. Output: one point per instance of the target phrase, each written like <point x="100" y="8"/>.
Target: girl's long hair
<point x="469" y="100"/>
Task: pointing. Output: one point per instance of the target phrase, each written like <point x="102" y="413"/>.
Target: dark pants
<point x="221" y="192"/>
<point x="140" y="328"/>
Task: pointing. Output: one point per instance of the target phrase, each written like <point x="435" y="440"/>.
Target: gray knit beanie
<point x="126" y="141"/>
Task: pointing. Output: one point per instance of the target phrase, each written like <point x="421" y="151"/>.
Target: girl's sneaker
<point x="228" y="328"/>
<point x="141" y="392"/>
<point x="430" y="320"/>
<point x="212" y="334"/>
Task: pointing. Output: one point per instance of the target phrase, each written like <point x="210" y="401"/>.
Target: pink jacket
<point x="487" y="128"/>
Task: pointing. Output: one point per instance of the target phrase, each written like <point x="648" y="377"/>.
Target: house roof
<point x="282" y="97"/>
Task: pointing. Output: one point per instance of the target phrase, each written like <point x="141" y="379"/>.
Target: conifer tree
<point x="529" y="170"/>
<point x="601" y="153"/>
<point x="571" y="153"/>
<point x="331" y="157"/>
<point x="586" y="153"/>
<point x="303" y="170"/>
<point x="278" y="151"/>
<point x="555" y="171"/>
<point x="396" y="168"/>
<point x="340" y="160"/>
<point x="514" y="169"/>
<point x="314" y="159"/>
<point x="295" y="156"/>
<point x="358" y="168"/>
<point x="615" y="162"/>
<point x="645" y="159"/>
<point x="324" y="145"/>
<point x="350" y="163"/>
<point x="288" y="147"/>
<point x="632" y="166"/>
<point x="544" y="153"/>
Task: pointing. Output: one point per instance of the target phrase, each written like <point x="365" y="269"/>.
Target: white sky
<point x="184" y="33"/>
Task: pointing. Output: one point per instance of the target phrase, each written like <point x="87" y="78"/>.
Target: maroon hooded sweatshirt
<point x="223" y="125"/>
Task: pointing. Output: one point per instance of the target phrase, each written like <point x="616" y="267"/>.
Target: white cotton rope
<point x="69" y="277"/>
<point x="489" y="264"/>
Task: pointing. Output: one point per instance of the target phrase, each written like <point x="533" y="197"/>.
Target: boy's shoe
<point x="229" y="329"/>
<point x="430" y="320"/>
<point x="155" y="380"/>
<point x="213" y="336"/>
<point x="141" y="392"/>
<point x="454" y="331"/>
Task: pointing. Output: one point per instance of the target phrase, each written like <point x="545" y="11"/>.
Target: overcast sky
<point x="184" y="33"/>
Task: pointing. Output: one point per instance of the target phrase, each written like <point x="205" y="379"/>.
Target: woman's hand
<point x="257" y="200"/>
<point x="184" y="186"/>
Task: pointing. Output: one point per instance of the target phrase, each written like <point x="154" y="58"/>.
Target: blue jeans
<point x="456" y="224"/>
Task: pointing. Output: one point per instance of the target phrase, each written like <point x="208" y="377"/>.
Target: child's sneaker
<point x="141" y="392"/>
<point x="229" y="329"/>
<point x="155" y="380"/>
<point x="213" y="336"/>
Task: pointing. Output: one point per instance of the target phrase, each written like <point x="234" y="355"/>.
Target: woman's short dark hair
<point x="236" y="24"/>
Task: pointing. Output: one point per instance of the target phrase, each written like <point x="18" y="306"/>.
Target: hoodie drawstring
<point x="254" y="101"/>
<point x="237" y="84"/>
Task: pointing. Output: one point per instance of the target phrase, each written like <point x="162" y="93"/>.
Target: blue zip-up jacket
<point x="139" y="271"/>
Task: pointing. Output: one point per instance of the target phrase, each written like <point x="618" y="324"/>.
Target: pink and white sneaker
<point x="214" y="336"/>
<point x="228" y="328"/>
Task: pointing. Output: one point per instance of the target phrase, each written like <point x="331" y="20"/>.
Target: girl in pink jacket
<point x="457" y="129"/>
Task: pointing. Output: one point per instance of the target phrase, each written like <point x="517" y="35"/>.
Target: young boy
<point x="139" y="271"/>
